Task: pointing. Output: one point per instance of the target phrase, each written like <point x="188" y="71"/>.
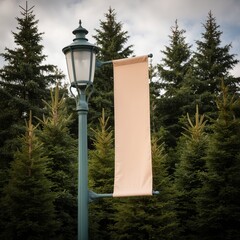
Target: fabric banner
<point x="133" y="162"/>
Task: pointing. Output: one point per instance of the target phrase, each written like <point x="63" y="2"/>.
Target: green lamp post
<point x="81" y="62"/>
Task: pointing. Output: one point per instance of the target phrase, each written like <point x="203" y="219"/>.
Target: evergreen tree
<point x="172" y="71"/>
<point x="23" y="80"/>
<point x="212" y="62"/>
<point x="27" y="210"/>
<point x="191" y="151"/>
<point x="101" y="180"/>
<point x="61" y="148"/>
<point x="150" y="217"/>
<point x="112" y="40"/>
<point x="219" y="200"/>
<point x="154" y="95"/>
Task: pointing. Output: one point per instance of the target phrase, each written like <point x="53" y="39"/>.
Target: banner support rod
<point x="92" y="196"/>
<point x="100" y="63"/>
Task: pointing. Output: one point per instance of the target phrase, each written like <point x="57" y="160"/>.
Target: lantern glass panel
<point x="81" y="66"/>
<point x="70" y="66"/>
<point x="82" y="62"/>
<point x="93" y="66"/>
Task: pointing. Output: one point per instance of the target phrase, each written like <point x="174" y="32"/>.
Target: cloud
<point x="148" y="22"/>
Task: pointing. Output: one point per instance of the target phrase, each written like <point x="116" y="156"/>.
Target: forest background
<point x="195" y="140"/>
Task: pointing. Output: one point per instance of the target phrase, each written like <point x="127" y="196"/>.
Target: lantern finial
<point x="80" y="32"/>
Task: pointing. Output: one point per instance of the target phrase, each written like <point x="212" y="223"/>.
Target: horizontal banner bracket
<point x="99" y="64"/>
<point x="95" y="196"/>
<point x="92" y="196"/>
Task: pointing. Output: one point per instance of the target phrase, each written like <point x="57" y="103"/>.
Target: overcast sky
<point x="148" y="23"/>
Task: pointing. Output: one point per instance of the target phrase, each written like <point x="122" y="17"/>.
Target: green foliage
<point x="195" y="132"/>
<point x="61" y="148"/>
<point x="101" y="179"/>
<point x="154" y="95"/>
<point x="101" y="162"/>
<point x="23" y="81"/>
<point x="191" y="152"/>
<point x="218" y="202"/>
<point x="27" y="210"/>
<point x="175" y="63"/>
<point x="25" y="77"/>
<point x="212" y="62"/>
<point x="172" y="71"/>
<point x="112" y="40"/>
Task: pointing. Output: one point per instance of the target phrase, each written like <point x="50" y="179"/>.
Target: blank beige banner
<point x="133" y="162"/>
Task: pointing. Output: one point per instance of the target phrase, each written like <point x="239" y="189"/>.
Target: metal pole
<point x="82" y="108"/>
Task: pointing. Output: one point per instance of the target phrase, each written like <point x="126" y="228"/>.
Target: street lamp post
<point x="81" y="61"/>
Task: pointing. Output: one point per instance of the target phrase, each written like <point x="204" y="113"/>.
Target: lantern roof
<point x="80" y="41"/>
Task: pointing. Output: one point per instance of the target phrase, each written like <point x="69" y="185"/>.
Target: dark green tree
<point x="175" y="92"/>
<point x="101" y="163"/>
<point x="61" y="148"/>
<point x="27" y="210"/>
<point x="212" y="62"/>
<point x="154" y="89"/>
<point x="24" y="80"/>
<point x="191" y="151"/>
<point x="111" y="39"/>
<point x="219" y="198"/>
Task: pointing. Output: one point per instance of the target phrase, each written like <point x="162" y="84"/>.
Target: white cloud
<point x="147" y="22"/>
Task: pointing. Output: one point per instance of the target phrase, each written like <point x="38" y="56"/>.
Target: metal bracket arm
<point x="100" y="63"/>
<point x="92" y="196"/>
<point x="95" y="196"/>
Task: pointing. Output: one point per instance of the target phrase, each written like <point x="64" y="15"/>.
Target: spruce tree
<point x="154" y="96"/>
<point x="101" y="161"/>
<point x="24" y="80"/>
<point x="27" y="210"/>
<point x="61" y="148"/>
<point x="111" y="39"/>
<point x="191" y="151"/>
<point x="219" y="198"/>
<point x="212" y="62"/>
<point x="172" y="71"/>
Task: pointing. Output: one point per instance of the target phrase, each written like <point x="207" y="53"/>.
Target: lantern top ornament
<point x="81" y="58"/>
<point x="80" y="40"/>
<point x="80" y="32"/>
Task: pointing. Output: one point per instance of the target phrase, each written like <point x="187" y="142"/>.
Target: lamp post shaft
<point x="81" y="61"/>
<point x="82" y="108"/>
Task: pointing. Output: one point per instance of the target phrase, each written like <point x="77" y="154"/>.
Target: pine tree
<point x="219" y="199"/>
<point x="154" y="95"/>
<point x="112" y="40"/>
<point x="172" y="71"/>
<point x="23" y="80"/>
<point x="101" y="180"/>
<point x="191" y="151"/>
<point x="27" y="210"/>
<point x="61" y="148"/>
<point x="212" y="62"/>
